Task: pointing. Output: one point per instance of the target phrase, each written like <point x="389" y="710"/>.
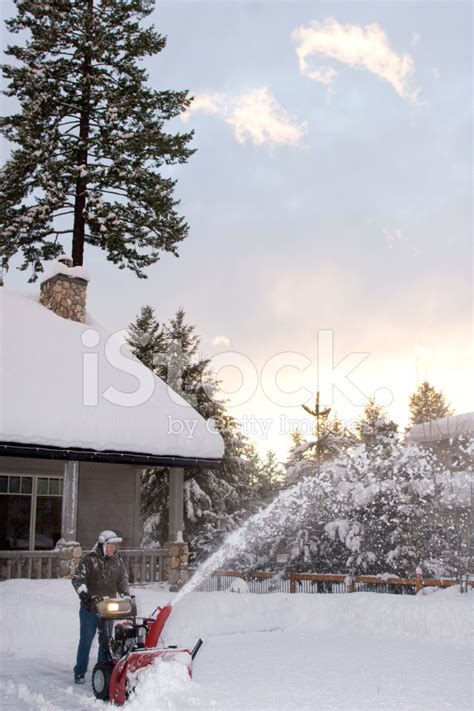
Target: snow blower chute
<point x="130" y="646"/>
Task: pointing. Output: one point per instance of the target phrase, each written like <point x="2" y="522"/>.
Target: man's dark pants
<point x="90" y="623"/>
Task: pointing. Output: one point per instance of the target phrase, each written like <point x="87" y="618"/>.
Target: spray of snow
<point x="256" y="526"/>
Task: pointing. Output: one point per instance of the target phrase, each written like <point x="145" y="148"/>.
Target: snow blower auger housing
<point x="130" y="646"/>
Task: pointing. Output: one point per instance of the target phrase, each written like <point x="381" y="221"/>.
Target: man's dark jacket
<point x="100" y="574"/>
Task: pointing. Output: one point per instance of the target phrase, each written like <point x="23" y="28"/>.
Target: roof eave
<point x="13" y="449"/>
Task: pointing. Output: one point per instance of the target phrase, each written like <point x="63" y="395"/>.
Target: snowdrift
<point x="48" y="610"/>
<point x="265" y="652"/>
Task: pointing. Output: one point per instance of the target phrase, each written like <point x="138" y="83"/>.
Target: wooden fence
<point x="325" y="584"/>
<point x="148" y="565"/>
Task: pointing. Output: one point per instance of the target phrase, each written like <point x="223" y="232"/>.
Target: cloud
<point x="255" y="117"/>
<point x="221" y="341"/>
<point x="355" y="47"/>
<point x="205" y="102"/>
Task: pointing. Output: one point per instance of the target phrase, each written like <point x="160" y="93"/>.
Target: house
<point x="452" y="440"/>
<point x="80" y="418"/>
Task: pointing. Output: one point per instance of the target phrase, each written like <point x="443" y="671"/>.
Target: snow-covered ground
<point x="261" y="652"/>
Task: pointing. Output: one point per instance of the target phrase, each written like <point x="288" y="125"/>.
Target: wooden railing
<point x="144" y="565"/>
<point x="326" y="584"/>
<point x="28" y="564"/>
<point x="147" y="566"/>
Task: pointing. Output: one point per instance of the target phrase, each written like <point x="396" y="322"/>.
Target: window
<point x="30" y="511"/>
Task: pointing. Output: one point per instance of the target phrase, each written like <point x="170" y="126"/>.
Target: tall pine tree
<point x="428" y="404"/>
<point x="330" y="438"/>
<point x="91" y="144"/>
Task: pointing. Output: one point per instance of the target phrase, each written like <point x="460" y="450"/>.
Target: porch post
<point x="70" y="493"/>
<point x="176" y="503"/>
<point x="176" y="562"/>
<point x="70" y="552"/>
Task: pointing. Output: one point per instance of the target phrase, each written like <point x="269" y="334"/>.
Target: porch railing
<point x="28" y="564"/>
<point x="143" y="565"/>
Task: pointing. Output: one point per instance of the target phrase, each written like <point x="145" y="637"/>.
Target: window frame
<point x="35" y="476"/>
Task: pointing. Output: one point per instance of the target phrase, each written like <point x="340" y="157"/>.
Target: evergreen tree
<point x="321" y="428"/>
<point x="374" y="427"/>
<point x="374" y="510"/>
<point x="184" y="369"/>
<point x="297" y="465"/>
<point x="428" y="404"/>
<point x="147" y="339"/>
<point x="386" y="503"/>
<point x="297" y="441"/>
<point x="217" y="500"/>
<point x="330" y="435"/>
<point x="329" y="440"/>
<point x="271" y="476"/>
<point x="90" y="136"/>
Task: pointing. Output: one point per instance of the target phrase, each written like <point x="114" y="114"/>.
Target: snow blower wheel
<point x="101" y="680"/>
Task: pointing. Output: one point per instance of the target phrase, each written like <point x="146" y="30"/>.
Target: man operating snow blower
<point x="100" y="573"/>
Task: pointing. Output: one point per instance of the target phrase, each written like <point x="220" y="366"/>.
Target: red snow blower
<point x="130" y="646"/>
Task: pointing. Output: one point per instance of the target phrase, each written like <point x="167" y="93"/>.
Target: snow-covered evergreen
<point x="330" y="438"/>
<point x="378" y="507"/>
<point x="215" y="501"/>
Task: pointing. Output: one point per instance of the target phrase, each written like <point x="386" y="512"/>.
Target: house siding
<point x="107" y="500"/>
<point x="108" y="496"/>
<point x="30" y="466"/>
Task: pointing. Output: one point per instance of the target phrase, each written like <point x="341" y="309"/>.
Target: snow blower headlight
<point x="111" y="608"/>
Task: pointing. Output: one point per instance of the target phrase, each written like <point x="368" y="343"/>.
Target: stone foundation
<point x="70" y="553"/>
<point x="66" y="296"/>
<point x="176" y="565"/>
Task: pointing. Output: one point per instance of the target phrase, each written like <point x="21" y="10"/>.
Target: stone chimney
<point x="64" y="290"/>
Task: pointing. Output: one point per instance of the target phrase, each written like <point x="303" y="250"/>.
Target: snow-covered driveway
<point x="262" y="652"/>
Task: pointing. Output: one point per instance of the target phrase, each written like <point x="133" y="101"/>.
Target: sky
<point x="329" y="204"/>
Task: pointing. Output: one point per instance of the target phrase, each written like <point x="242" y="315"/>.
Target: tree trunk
<point x="79" y="228"/>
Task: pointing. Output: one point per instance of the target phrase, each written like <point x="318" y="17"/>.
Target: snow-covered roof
<point x="47" y="401"/>
<point x="444" y="428"/>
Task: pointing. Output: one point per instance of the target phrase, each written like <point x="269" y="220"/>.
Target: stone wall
<point x="66" y="296"/>
<point x="70" y="553"/>
<point x="176" y="565"/>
